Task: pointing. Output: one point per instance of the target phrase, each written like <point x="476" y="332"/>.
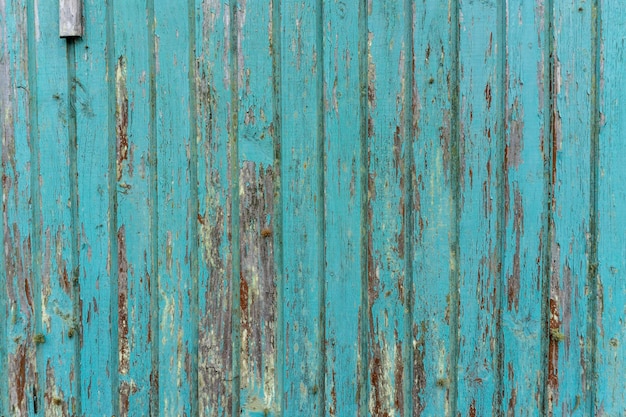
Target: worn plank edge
<point x="364" y="387"/>
<point x="594" y="179"/>
<point x="548" y="204"/>
<point x="155" y="314"/>
<point x="195" y="207"/>
<point x="35" y="191"/>
<point x="112" y="207"/>
<point x="455" y="232"/>
<point x="278" y="204"/>
<point x="321" y="203"/>
<point x="501" y="197"/>
<point x="233" y="149"/>
<point x="409" y="138"/>
<point x="75" y="330"/>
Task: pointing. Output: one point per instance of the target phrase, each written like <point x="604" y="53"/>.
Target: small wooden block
<point x="70" y="18"/>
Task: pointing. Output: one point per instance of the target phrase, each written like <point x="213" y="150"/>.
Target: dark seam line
<point x="409" y="136"/>
<point x="154" y="217"/>
<point x="364" y="388"/>
<point x="592" y="279"/>
<point x="455" y="277"/>
<point x="193" y="209"/>
<point x="35" y="190"/>
<point x="235" y="209"/>
<point x="548" y="204"/>
<point x="4" y="312"/>
<point x="75" y="329"/>
<point x="502" y="136"/>
<point x="112" y="205"/>
<point x="321" y="204"/>
<point x="278" y="203"/>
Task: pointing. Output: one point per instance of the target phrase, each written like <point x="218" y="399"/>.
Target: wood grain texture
<point x="257" y="178"/>
<point x="18" y="297"/>
<point x="131" y="75"/>
<point x="314" y="207"/>
<point x="214" y="132"/>
<point x="302" y="177"/>
<point x="433" y="321"/>
<point x="610" y="322"/>
<point x="481" y="136"/>
<point x="58" y="378"/>
<point x="526" y="185"/>
<point x="569" y="364"/>
<point x="345" y="185"/>
<point x="95" y="160"/>
<point x="177" y="209"/>
<point x="389" y="279"/>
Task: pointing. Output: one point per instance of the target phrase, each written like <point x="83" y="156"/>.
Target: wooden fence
<point x="313" y="208"/>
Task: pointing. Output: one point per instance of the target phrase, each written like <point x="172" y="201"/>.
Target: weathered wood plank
<point x="18" y="287"/>
<point x="526" y="194"/>
<point x="568" y="361"/>
<point x="131" y="71"/>
<point x="389" y="144"/>
<point x="302" y="176"/>
<point x="59" y="386"/>
<point x="213" y="92"/>
<point x="480" y="158"/>
<point x="610" y="323"/>
<point x="6" y="112"/>
<point x="345" y="72"/>
<point x="177" y="209"/>
<point x="433" y="200"/>
<point x="95" y="151"/>
<point x="255" y="161"/>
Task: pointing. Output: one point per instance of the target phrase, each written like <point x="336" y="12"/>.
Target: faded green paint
<point x="313" y="207"/>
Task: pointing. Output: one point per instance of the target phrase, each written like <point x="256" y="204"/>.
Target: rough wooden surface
<point x="313" y="207"/>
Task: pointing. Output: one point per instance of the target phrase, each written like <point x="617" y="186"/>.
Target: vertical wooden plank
<point x="345" y="182"/>
<point x="525" y="204"/>
<point x="94" y="154"/>
<point x="302" y="176"/>
<point x="215" y="280"/>
<point x="389" y="144"/>
<point x="480" y="153"/>
<point x="610" y="324"/>
<point x="568" y="362"/>
<point x="18" y="366"/>
<point x="57" y="372"/>
<point x="255" y="162"/>
<point x="176" y="207"/>
<point x="433" y="221"/>
<point x="133" y="258"/>
<point x="7" y="129"/>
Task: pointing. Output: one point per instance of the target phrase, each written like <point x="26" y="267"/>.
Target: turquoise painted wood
<point x="313" y="208"/>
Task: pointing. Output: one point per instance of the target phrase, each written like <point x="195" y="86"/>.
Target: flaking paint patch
<point x="56" y="405"/>
<point x="419" y="370"/>
<point x="45" y="280"/>
<point x="258" y="274"/>
<point x="382" y="397"/>
<point x="513" y="285"/>
<point x="20" y="371"/>
<point x="214" y="344"/>
<point x="122" y="302"/>
<point x="121" y="116"/>
<point x="515" y="144"/>
<point x="554" y="324"/>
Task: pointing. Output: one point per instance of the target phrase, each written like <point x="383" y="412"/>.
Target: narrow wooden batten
<point x="70" y="18"/>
